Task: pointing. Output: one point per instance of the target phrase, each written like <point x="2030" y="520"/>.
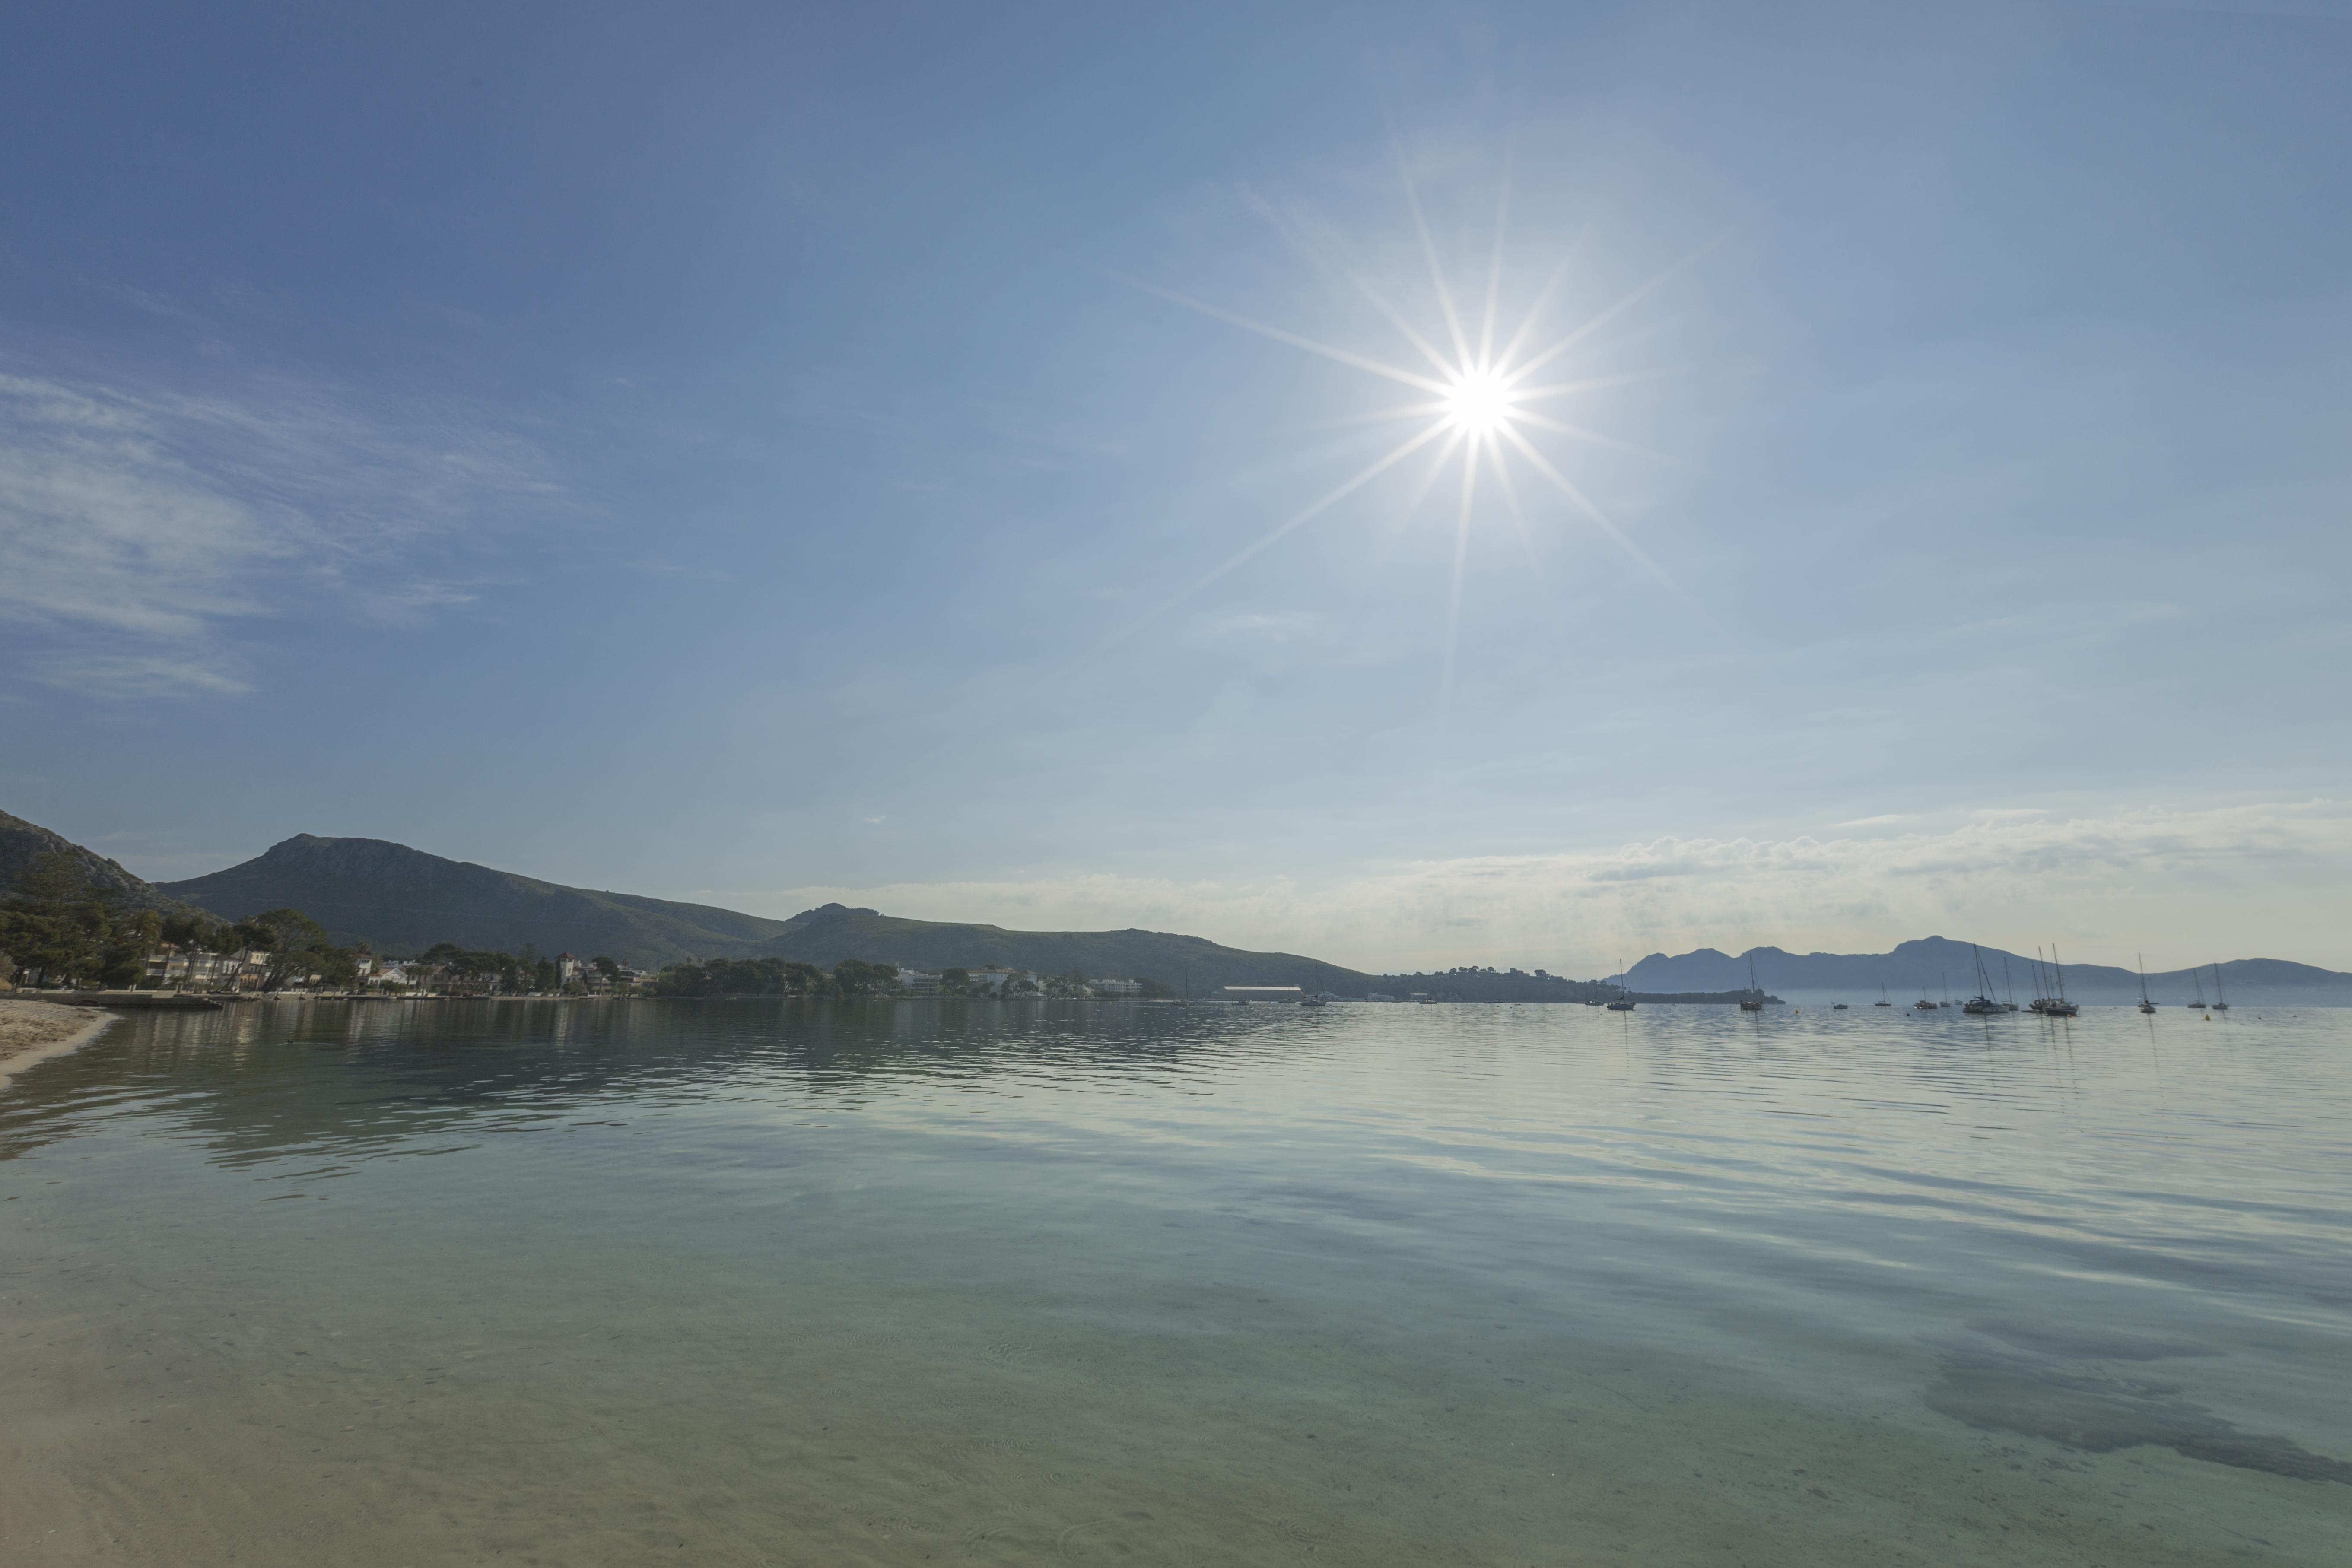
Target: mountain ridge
<point x="402" y="900"/>
<point x="397" y="899"/>
<point x="833" y="931"/>
<point x="1928" y="966"/>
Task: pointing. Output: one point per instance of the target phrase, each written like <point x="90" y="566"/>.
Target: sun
<point x="1483" y="396"/>
<point x="1478" y="403"/>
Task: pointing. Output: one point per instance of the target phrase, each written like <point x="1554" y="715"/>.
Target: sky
<point x="917" y="456"/>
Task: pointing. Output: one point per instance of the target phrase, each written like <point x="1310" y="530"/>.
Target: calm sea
<point x="754" y="1283"/>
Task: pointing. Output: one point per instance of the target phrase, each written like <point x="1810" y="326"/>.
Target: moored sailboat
<point x="1753" y="1001"/>
<point x="2145" y="1004"/>
<point x="1621" y="1002"/>
<point x="1982" y="1002"/>
<point x="2220" y="1003"/>
<point x="2058" y="1006"/>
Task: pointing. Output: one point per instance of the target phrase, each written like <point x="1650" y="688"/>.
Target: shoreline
<point x="32" y="1032"/>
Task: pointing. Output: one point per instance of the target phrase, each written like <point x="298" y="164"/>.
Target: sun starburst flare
<point x="1481" y="401"/>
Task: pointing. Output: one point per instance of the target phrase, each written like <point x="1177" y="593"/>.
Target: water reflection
<point x="906" y="1281"/>
<point x="264" y="1078"/>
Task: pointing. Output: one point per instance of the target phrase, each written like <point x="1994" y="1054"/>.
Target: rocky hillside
<point x="22" y="842"/>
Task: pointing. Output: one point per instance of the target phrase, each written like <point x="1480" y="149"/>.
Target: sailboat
<point x="2145" y="1004"/>
<point x="1882" y="1001"/>
<point x="1981" y="1002"/>
<point x="1620" y="1003"/>
<point x="1753" y="1002"/>
<point x="2042" y="997"/>
<point x="2199" y="981"/>
<point x="2220" y="1003"/>
<point x="2058" y="1006"/>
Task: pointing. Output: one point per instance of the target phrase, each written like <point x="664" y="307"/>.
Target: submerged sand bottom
<point x="848" y="1447"/>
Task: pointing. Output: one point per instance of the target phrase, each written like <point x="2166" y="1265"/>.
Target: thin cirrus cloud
<point x="143" y="524"/>
<point x="2157" y="879"/>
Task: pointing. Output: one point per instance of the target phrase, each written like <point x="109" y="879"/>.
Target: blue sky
<point x="761" y="454"/>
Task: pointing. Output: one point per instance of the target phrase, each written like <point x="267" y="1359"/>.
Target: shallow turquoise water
<point x="897" y="1282"/>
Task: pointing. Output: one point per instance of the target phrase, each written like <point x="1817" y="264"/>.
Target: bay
<point x="897" y="1282"/>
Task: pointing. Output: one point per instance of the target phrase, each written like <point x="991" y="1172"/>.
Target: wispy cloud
<point x="140" y="524"/>
<point x="2186" y="884"/>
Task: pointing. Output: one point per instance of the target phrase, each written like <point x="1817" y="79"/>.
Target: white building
<point x="169" y="966"/>
<point x="1108" y="987"/>
<point x="917" y="981"/>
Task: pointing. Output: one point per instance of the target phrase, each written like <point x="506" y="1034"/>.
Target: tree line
<point x="850" y="977"/>
<point x="776" y="978"/>
<point x="60" y="926"/>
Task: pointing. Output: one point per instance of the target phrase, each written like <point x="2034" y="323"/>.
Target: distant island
<point x="343" y="909"/>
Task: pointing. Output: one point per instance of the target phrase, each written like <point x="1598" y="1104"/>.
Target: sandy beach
<point x="34" y="1032"/>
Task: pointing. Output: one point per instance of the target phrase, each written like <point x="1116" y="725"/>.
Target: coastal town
<point x="185" y="970"/>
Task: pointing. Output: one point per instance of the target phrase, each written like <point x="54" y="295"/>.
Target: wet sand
<point x="34" y="1032"/>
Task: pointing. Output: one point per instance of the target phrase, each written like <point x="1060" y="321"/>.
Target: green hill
<point x="401" y="901"/>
